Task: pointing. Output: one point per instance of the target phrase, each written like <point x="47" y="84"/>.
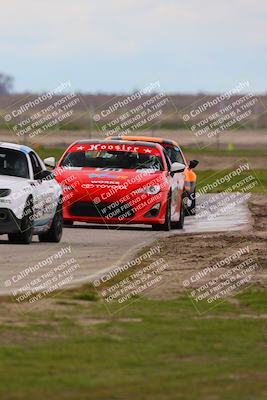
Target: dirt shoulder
<point x="189" y="254"/>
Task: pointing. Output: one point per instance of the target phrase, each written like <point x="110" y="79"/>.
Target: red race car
<point x="121" y="182"/>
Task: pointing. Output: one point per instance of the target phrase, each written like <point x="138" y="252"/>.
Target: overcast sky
<point x="121" y="45"/>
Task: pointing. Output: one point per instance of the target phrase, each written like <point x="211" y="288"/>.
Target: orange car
<point x="175" y="154"/>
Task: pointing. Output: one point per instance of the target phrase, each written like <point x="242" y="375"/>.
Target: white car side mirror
<point x="50" y="162"/>
<point x="177" y="167"/>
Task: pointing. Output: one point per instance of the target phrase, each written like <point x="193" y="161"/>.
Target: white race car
<point x="30" y="198"/>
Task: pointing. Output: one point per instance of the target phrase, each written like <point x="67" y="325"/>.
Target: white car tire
<point x="55" y="232"/>
<point x="24" y="236"/>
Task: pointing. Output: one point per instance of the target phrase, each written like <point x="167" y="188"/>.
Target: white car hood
<point x="9" y="182"/>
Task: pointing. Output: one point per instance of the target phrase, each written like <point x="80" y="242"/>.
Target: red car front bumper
<point x="140" y="208"/>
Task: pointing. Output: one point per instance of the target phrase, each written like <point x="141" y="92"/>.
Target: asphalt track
<point x="98" y="248"/>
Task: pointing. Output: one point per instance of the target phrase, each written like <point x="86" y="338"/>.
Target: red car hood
<point x="102" y="180"/>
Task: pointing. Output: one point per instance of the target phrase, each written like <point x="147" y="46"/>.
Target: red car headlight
<point x="67" y="188"/>
<point x="153" y="189"/>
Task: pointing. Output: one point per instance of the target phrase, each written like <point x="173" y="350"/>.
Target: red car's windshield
<point x="113" y="156"/>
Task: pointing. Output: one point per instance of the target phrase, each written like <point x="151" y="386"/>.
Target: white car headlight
<point x="5" y="192"/>
<point x="153" y="189"/>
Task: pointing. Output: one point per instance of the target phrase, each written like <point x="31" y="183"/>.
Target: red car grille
<point x="102" y="210"/>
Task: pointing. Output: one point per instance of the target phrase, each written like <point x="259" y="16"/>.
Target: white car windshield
<point x="13" y="163"/>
